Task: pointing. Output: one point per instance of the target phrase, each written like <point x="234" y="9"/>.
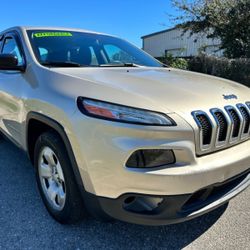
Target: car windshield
<point x="80" y="49"/>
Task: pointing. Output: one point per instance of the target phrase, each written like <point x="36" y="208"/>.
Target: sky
<point x="129" y="19"/>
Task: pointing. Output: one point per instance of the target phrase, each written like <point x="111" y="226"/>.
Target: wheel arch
<point x="92" y="204"/>
<point x="36" y="124"/>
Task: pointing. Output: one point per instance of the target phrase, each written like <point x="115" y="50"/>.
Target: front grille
<point x="222" y="125"/>
<point x="206" y="128"/>
<point x="246" y="117"/>
<point x="221" y="128"/>
<point x="235" y="121"/>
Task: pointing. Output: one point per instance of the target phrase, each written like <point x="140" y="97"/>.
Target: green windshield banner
<point x="51" y="34"/>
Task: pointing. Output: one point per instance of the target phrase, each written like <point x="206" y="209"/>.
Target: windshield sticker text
<point x="52" y="34"/>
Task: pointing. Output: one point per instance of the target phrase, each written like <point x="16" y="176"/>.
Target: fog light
<point x="149" y="158"/>
<point x="142" y="204"/>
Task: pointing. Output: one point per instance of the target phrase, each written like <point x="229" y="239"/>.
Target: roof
<point x="23" y="28"/>
<point x="159" y="32"/>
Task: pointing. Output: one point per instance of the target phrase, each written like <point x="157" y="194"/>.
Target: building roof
<point x="159" y="32"/>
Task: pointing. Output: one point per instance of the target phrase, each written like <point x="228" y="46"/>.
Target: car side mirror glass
<point x="9" y="62"/>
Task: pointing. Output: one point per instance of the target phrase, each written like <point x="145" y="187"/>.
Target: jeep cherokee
<point x="113" y="132"/>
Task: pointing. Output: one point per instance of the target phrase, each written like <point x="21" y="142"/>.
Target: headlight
<point x="119" y="113"/>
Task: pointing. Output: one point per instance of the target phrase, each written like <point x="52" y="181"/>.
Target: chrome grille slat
<point x="248" y="109"/>
<point x="246" y="119"/>
<point x="225" y="128"/>
<point x="222" y="134"/>
<point x="222" y="127"/>
<point x="205" y="127"/>
<point x="248" y="105"/>
<point x="236" y="121"/>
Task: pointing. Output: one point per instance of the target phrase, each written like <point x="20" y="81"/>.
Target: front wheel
<point x="56" y="181"/>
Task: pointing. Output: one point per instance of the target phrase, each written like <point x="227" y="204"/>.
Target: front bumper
<point x="186" y="189"/>
<point x="138" y="209"/>
<point x="102" y="149"/>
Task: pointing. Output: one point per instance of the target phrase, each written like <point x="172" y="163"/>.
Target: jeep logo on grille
<point x="229" y="97"/>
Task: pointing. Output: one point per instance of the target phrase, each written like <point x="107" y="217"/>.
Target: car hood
<point x="165" y="90"/>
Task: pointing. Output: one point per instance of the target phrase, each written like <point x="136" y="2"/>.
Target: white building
<point x="178" y="44"/>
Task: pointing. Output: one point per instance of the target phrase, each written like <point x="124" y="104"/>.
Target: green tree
<point x="175" y="62"/>
<point x="228" y="20"/>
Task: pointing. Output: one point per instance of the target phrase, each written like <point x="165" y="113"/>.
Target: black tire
<point x="73" y="209"/>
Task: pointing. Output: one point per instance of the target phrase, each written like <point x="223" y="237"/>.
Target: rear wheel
<point x="56" y="180"/>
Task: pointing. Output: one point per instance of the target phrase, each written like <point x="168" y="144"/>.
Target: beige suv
<point x="113" y="132"/>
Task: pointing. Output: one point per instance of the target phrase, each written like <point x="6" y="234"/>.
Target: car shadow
<point x="24" y="220"/>
<point x="175" y="236"/>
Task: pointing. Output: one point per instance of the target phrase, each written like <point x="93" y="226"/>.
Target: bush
<point x="180" y="63"/>
<point x="234" y="69"/>
<point x="174" y="62"/>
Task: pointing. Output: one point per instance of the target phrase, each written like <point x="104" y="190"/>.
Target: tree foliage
<point x="228" y="20"/>
<point x="234" y="69"/>
<point x="175" y="62"/>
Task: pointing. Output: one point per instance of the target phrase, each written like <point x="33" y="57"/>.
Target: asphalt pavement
<point x="25" y="223"/>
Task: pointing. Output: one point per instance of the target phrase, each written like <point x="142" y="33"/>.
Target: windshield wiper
<point x="62" y="64"/>
<point x="120" y="65"/>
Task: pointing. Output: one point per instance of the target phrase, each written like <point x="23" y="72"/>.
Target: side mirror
<point x="10" y="62"/>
